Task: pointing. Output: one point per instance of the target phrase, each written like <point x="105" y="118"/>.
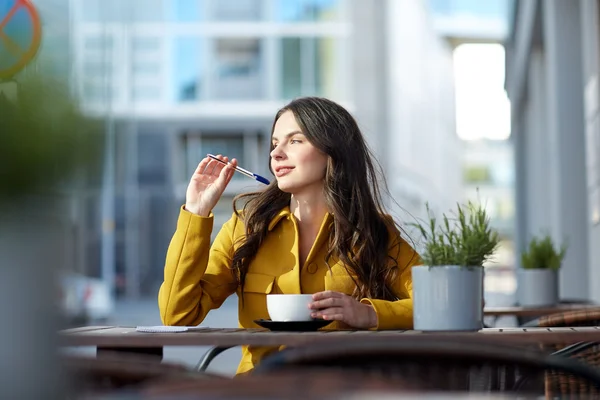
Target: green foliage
<point x="465" y="240"/>
<point x="44" y="138"/>
<point x="542" y="254"/>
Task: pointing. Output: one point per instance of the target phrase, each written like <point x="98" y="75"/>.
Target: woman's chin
<point x="285" y="187"/>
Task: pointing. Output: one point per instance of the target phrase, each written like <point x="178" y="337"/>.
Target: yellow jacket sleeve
<point x="398" y="314"/>
<point x="197" y="277"/>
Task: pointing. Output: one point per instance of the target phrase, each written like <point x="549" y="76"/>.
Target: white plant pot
<point x="537" y="287"/>
<point x="447" y="298"/>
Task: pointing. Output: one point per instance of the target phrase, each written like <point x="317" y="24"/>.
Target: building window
<point x="186" y="10"/>
<point x="97" y="92"/>
<point x="144" y="44"/>
<point x="153" y="160"/>
<point x="98" y="43"/>
<point x="198" y="145"/>
<point x="146" y="93"/>
<point x="506" y="208"/>
<point x="187" y="69"/>
<point x="503" y="174"/>
<point x="145" y="68"/>
<point x="122" y="11"/>
<point x="308" y="67"/>
<point x="95" y="69"/>
<point x="480" y="9"/>
<point x="147" y="10"/>
<point x="238" y="72"/>
<point x="237" y="10"/>
<point x="291" y="68"/>
<point x="307" y="10"/>
<point x="477" y="174"/>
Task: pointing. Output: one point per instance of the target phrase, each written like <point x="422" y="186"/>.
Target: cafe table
<point x="110" y="339"/>
<point x="120" y="338"/>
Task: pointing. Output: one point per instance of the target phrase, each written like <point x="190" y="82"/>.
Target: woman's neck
<point x="309" y="210"/>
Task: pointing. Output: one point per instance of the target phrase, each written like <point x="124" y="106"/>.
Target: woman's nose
<point x="277" y="153"/>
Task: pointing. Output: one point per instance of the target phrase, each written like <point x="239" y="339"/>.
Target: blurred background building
<point x="477" y="30"/>
<point x="176" y="79"/>
<point x="172" y="80"/>
<point x="552" y="81"/>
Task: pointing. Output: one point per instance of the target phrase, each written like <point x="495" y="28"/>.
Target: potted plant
<point x="448" y="287"/>
<point x="538" y="276"/>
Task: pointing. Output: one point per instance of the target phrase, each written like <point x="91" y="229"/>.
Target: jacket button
<point x="312" y="268"/>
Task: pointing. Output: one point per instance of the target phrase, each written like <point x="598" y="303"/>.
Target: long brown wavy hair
<point x="360" y="235"/>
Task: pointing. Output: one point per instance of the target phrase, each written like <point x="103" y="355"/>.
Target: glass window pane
<point x="185" y="10"/>
<point x="476" y="174"/>
<point x="238" y="72"/>
<point x="144" y="44"/>
<point x="186" y="69"/>
<point x="152" y="159"/>
<point x="227" y="144"/>
<point x="98" y="43"/>
<point x="291" y="73"/>
<point x="307" y="10"/>
<point x="443" y="7"/>
<point x="309" y="67"/>
<point x="145" y="68"/>
<point x="146" y="93"/>
<point x="237" y="10"/>
<point x="95" y="68"/>
<point x="145" y="10"/>
<point x="122" y="11"/>
<point x="325" y="66"/>
<point x="97" y="92"/>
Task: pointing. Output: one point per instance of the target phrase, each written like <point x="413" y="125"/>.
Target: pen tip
<point x="262" y="180"/>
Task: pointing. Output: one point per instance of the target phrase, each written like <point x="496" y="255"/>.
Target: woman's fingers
<point x="211" y="171"/>
<point x="214" y="167"/>
<point x="326" y="294"/>
<point x="327" y="299"/>
<point x="333" y="313"/>
<point x="202" y="166"/>
<point x="211" y="167"/>
<point x="329" y="302"/>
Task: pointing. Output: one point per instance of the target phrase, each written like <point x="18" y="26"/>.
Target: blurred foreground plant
<point x="44" y="137"/>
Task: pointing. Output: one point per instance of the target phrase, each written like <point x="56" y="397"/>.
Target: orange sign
<point x="20" y="35"/>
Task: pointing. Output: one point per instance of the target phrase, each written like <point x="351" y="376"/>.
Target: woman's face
<point x="298" y="165"/>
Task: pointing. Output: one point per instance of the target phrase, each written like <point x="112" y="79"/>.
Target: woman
<point x="318" y="228"/>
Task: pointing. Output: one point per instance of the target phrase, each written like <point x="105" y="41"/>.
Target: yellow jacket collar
<point x="285" y="212"/>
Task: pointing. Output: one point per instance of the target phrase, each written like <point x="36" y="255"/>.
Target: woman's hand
<point x="208" y="184"/>
<point x="336" y="306"/>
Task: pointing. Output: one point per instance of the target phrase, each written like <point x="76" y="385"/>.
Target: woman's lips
<point x="283" y="171"/>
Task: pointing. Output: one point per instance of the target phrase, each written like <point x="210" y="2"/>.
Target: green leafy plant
<point x="542" y="254"/>
<point x="44" y="137"/>
<point x="465" y="240"/>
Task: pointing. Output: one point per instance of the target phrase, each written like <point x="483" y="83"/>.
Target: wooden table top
<point x="115" y="336"/>
<point x="518" y="311"/>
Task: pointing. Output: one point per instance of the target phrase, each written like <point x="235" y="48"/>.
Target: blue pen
<point x="243" y="171"/>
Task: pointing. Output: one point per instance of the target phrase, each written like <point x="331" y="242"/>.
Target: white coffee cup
<point x="289" y="307"/>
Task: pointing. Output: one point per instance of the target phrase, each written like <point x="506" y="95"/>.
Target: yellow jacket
<point x="199" y="278"/>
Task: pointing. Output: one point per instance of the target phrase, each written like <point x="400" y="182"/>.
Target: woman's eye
<point x="295" y="141"/>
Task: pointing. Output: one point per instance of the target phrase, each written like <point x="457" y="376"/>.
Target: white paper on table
<point x="168" y="329"/>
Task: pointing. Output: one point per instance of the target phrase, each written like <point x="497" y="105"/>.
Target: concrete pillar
<point x="562" y="44"/>
<point x="368" y="18"/>
<point x="518" y="133"/>
<point x="591" y="70"/>
<point x="538" y="160"/>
